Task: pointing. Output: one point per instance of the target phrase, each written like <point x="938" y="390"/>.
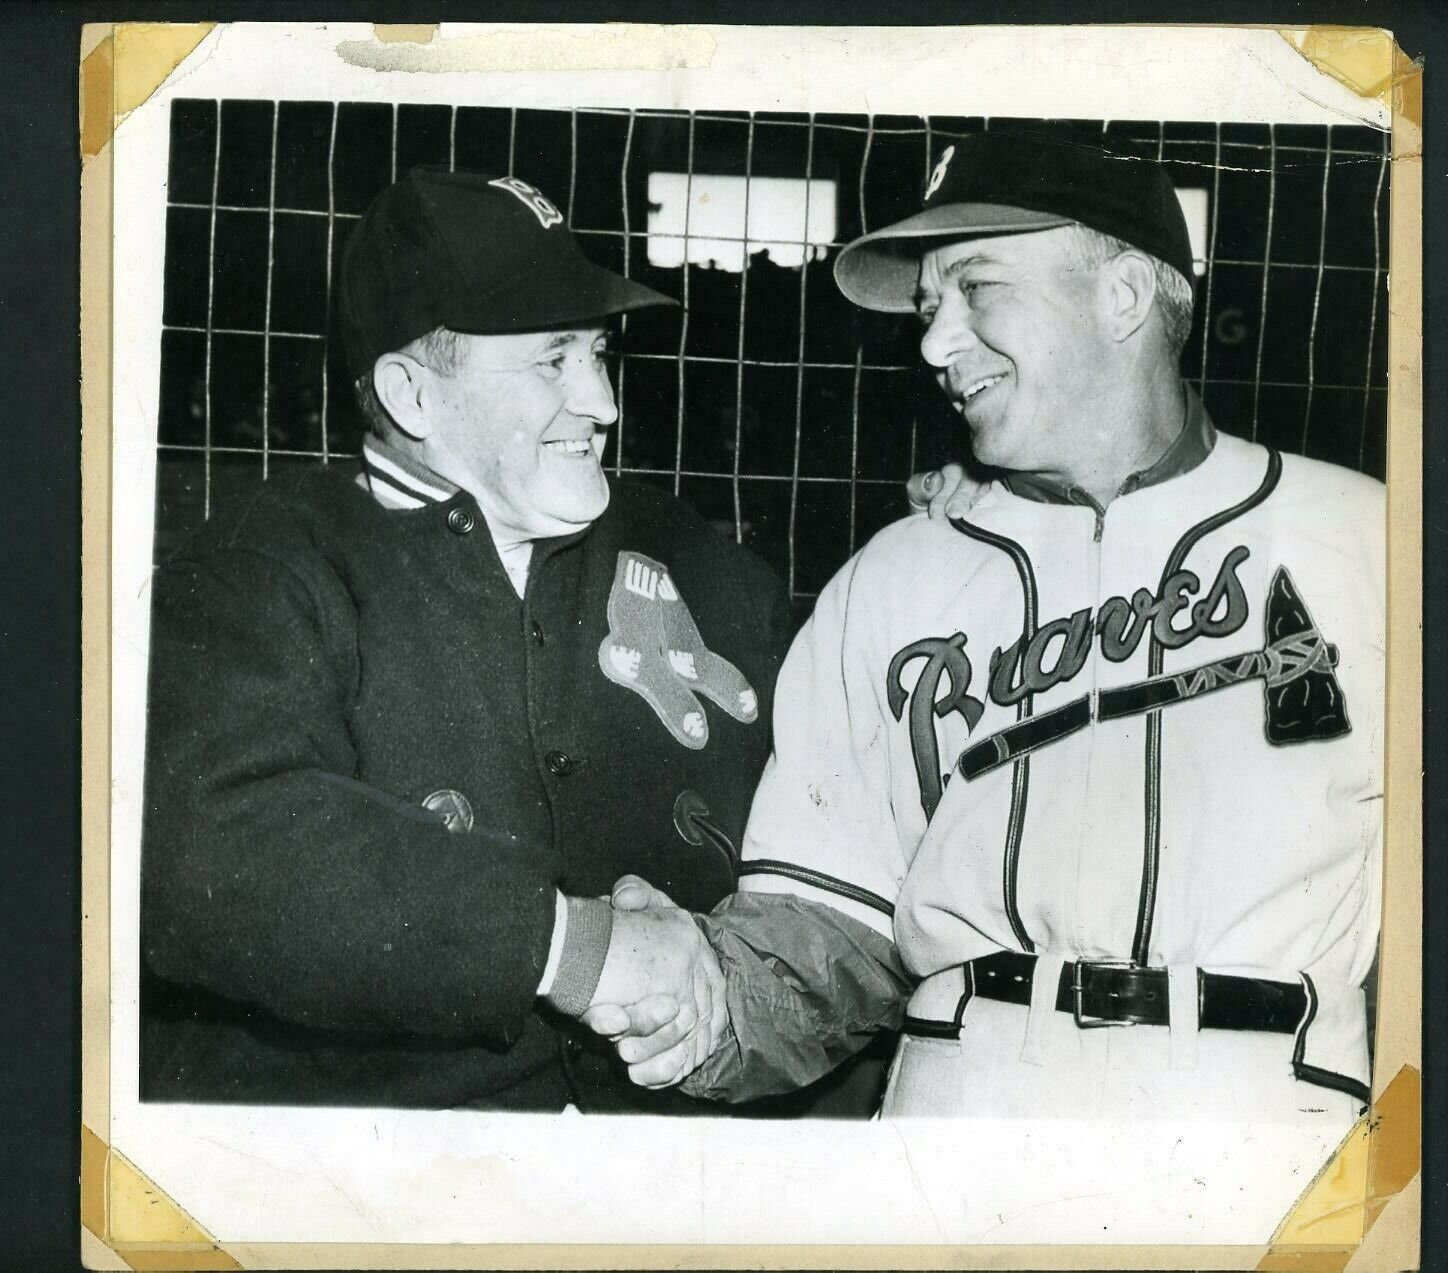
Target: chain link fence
<point x="780" y="411"/>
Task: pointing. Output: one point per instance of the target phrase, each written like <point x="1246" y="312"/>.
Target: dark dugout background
<point x="779" y="410"/>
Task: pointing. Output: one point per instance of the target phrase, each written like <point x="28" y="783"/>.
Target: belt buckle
<point x="1083" y="1022"/>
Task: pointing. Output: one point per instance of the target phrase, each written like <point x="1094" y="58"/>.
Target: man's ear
<point x="402" y="384"/>
<point x="1131" y="290"/>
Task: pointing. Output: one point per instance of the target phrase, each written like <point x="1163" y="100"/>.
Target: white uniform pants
<point x="1011" y="1061"/>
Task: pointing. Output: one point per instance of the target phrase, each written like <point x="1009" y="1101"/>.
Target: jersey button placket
<point x="1095" y="894"/>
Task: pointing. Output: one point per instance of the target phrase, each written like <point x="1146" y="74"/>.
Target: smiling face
<point x="1015" y="334"/>
<point x="518" y="423"/>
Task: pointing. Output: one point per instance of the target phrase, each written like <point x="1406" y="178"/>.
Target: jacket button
<point x="689" y="806"/>
<point x="452" y="807"/>
<point x="537" y="631"/>
<point x="559" y="763"/>
<point x="461" y="520"/>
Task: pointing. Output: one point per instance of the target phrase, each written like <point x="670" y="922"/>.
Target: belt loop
<point x="1045" y="986"/>
<point x="967" y="993"/>
<point x="1183" y="1006"/>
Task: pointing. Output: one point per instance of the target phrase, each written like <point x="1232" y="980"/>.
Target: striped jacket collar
<point x="396" y="480"/>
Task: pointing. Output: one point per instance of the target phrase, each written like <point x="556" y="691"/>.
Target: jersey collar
<point x="1193" y="444"/>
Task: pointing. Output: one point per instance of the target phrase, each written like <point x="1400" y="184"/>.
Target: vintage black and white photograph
<point x="730" y="629"/>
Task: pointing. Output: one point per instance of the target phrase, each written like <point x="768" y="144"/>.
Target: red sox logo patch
<point x="1303" y="701"/>
<point x="654" y="648"/>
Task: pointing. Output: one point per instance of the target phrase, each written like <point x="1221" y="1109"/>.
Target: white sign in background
<point x="269" y="1175"/>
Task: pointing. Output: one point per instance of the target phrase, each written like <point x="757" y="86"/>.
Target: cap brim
<point x="575" y="293"/>
<point x="879" y="270"/>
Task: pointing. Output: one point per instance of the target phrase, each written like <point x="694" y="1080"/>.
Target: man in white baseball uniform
<point x="1080" y="789"/>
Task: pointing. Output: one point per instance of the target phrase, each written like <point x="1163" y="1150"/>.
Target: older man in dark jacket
<point x="411" y="720"/>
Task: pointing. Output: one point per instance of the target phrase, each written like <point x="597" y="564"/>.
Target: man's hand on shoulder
<point x="944" y="492"/>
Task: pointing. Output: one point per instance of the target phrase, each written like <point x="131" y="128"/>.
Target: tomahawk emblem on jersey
<point x="1303" y="700"/>
<point x="654" y="648"/>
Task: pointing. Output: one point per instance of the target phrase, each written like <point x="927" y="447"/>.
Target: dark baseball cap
<point x="474" y="253"/>
<point x="1005" y="182"/>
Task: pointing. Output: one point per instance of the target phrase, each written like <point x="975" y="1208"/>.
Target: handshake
<point x="660" y="997"/>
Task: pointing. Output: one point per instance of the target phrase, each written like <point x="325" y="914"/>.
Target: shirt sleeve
<point x="807" y="945"/>
<point x="807" y="986"/>
<point x="587" y="926"/>
<point x="821" y="826"/>
<point x="273" y="874"/>
<point x="555" y="944"/>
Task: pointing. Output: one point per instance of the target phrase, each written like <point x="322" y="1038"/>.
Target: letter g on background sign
<point x="1229" y="329"/>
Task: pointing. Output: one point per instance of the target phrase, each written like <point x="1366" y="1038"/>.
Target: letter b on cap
<point x="938" y="175"/>
<point x="533" y="199"/>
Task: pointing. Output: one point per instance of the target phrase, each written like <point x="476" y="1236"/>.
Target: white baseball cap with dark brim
<point x="880" y="270"/>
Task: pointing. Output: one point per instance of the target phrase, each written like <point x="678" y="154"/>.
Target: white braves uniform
<point x="1153" y="736"/>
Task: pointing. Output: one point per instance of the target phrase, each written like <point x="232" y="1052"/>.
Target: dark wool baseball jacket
<point x="337" y="691"/>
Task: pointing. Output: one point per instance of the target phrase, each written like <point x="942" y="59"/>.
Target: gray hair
<point x="440" y="349"/>
<point x="1091" y="248"/>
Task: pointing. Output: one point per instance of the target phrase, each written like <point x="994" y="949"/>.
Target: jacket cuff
<point x="585" y="947"/>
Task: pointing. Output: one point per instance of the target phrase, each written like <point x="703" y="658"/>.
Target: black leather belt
<point x="1101" y="993"/>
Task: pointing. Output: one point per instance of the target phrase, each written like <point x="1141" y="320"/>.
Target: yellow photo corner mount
<point x="125" y="68"/>
<point x="1377" y="1161"/>
<point x="136" y="1220"/>
<point x="1363" y="59"/>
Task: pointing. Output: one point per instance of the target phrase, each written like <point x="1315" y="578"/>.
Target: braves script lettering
<point x="942" y="658"/>
<point x="1055" y="653"/>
